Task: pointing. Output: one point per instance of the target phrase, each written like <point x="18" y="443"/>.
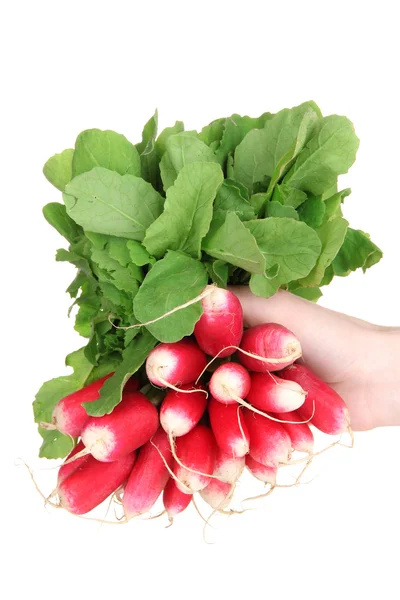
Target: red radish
<point x="68" y="467"/>
<point x="229" y="428"/>
<point x="300" y="434"/>
<point x="221" y="323"/>
<point x="149" y="476"/>
<point x="331" y="414"/>
<point x="175" y="364"/>
<point x="265" y="473"/>
<point x="269" y="341"/>
<point x="217" y="494"/>
<point x="132" y="385"/>
<point x="271" y="393"/>
<point x="228" y="468"/>
<point x="181" y="412"/>
<point x="69" y="416"/>
<point x="92" y="482"/>
<point x="174" y="500"/>
<point x="130" y="425"/>
<point x="269" y="442"/>
<point x="229" y="382"/>
<point x="197" y="451"/>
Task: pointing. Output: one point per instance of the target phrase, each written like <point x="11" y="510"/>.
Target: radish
<point x="217" y="494"/>
<point x="69" y="416"/>
<point x="181" y="412"/>
<point x="130" y="425"/>
<point x="229" y="428"/>
<point x="132" y="385"/>
<point x="68" y="467"/>
<point x="149" y="476"/>
<point x="169" y="365"/>
<point x="229" y="382"/>
<point x="276" y="345"/>
<point x="221" y="323"/>
<point x="331" y="414"/>
<point x="271" y="393"/>
<point x="196" y="450"/>
<point x="269" y="442"/>
<point x="92" y="482"/>
<point x="265" y="473"/>
<point x="300" y="434"/>
<point x="228" y="468"/>
<point x="174" y="500"/>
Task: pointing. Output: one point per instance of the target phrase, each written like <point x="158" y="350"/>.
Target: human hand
<point x="357" y="359"/>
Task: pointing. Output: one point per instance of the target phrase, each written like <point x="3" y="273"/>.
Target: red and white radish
<point x="180" y="412"/>
<point x="330" y="412"/>
<point x="217" y="494"/>
<point x="300" y="434"/>
<point x="197" y="451"/>
<point x="174" y="500"/>
<point x="132" y="385"/>
<point x="221" y="323"/>
<point x="69" y="416"/>
<point x="175" y="364"/>
<point x="271" y="393"/>
<point x="69" y="466"/>
<point x="92" y="482"/>
<point x="130" y="425"/>
<point x="269" y="442"/>
<point x="274" y="344"/>
<point x="265" y="473"/>
<point x="229" y="382"/>
<point x="229" y="428"/>
<point x="149" y="476"/>
<point x="228" y="468"/>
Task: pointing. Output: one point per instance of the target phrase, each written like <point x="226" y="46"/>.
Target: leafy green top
<point x="250" y="201"/>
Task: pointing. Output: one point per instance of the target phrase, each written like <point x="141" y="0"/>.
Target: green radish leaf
<point x="219" y="272"/>
<point x="133" y="358"/>
<point x="234" y="130"/>
<point x="212" y="133"/>
<point x="161" y="141"/>
<point x="187" y="212"/>
<point x="276" y="209"/>
<point x="312" y="212"/>
<point x="58" y="169"/>
<point x="292" y="245"/>
<point x="332" y="235"/>
<point x="139" y="255"/>
<point x="258" y="201"/>
<point x="103" y="201"/>
<point x="288" y="196"/>
<point x="330" y="152"/>
<point x="172" y="281"/>
<point x="182" y="149"/>
<point x="230" y="241"/>
<point x="56" y="214"/>
<point x="261" y="285"/>
<point x="232" y="196"/>
<point x="357" y="252"/>
<point x="333" y="204"/>
<point x="148" y="151"/>
<point x="108" y="149"/>
<point x="312" y="294"/>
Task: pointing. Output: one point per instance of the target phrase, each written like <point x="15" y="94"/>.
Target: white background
<point x="68" y="66"/>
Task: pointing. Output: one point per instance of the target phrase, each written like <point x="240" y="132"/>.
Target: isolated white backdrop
<point x="68" y="66"/>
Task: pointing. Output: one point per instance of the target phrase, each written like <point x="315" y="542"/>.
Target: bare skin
<point x="359" y="360"/>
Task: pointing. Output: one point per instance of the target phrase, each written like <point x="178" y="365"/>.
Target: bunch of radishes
<point x="218" y="416"/>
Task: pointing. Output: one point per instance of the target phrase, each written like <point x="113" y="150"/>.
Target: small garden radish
<point x="197" y="451"/>
<point x="130" y="425"/>
<point x="69" y="416"/>
<point x="149" y="476"/>
<point x="228" y="468"/>
<point x="265" y="473"/>
<point x="271" y="393"/>
<point x="269" y="442"/>
<point x="169" y="365"/>
<point x="68" y="467"/>
<point x="300" y="434"/>
<point x="229" y="382"/>
<point x="229" y="428"/>
<point x="174" y="500"/>
<point x="181" y="412"/>
<point x="330" y="412"/>
<point x="221" y="324"/>
<point x="92" y="482"/>
<point x="269" y="341"/>
<point x="217" y="494"/>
